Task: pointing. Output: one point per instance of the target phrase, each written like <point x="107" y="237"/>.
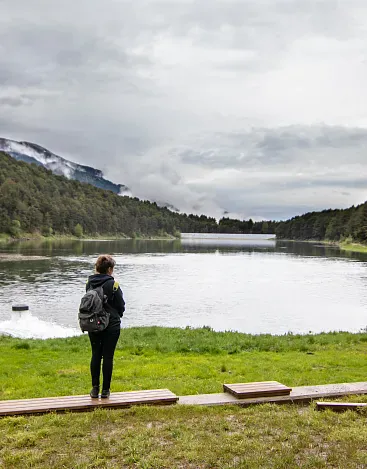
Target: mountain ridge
<point x="34" y="153"/>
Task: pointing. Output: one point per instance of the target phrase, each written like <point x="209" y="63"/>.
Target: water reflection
<point x="251" y="285"/>
<point x="61" y="248"/>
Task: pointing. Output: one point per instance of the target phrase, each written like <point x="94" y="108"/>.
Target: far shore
<point x="5" y="238"/>
<point x="353" y="247"/>
<point x="343" y="245"/>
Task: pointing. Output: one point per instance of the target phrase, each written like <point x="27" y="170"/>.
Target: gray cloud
<point x="257" y="108"/>
<point x="13" y="102"/>
<point x="320" y="144"/>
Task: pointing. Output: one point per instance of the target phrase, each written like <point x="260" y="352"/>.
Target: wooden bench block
<point x="341" y="406"/>
<point x="257" y="389"/>
<point x="85" y="402"/>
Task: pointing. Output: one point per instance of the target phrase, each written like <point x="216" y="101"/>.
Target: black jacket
<point x="115" y="302"/>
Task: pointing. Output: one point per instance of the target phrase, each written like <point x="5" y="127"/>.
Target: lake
<point x="243" y="283"/>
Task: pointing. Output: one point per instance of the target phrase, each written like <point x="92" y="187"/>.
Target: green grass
<point x="266" y="436"/>
<point x="187" y="361"/>
<point x="354" y="247"/>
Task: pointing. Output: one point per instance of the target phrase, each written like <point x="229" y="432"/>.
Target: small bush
<point x="78" y="230"/>
<point x="22" y="346"/>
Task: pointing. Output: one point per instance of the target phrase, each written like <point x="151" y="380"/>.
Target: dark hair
<point x="103" y="263"/>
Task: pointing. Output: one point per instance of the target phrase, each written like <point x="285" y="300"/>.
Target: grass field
<point x="186" y="361"/>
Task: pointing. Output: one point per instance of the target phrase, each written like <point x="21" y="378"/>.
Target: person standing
<point x="104" y="343"/>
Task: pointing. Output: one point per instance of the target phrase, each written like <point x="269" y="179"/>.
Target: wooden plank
<point x="80" y="399"/>
<point x="30" y="409"/>
<point x="85" y="402"/>
<point x="257" y="389"/>
<point x="114" y="396"/>
<point x="82" y="405"/>
<point x="340" y="406"/>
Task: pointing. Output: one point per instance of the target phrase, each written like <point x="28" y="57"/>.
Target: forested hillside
<point x="32" y="199"/>
<point x="333" y="225"/>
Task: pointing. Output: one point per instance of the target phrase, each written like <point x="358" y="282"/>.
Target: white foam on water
<point x="25" y="326"/>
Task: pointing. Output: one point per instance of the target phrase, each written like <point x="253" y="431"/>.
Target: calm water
<point x="228" y="283"/>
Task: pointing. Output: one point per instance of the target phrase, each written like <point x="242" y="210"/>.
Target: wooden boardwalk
<point x="85" y="402"/>
<point x="301" y="394"/>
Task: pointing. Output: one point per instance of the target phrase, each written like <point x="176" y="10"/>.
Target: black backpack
<point x="92" y="315"/>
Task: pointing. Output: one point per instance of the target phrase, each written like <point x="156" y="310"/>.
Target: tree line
<point x="332" y="225"/>
<point x="33" y="199"/>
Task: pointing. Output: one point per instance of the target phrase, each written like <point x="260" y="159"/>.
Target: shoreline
<point x="346" y="246"/>
<point x="353" y="247"/>
<point x="342" y="245"/>
<point x="7" y="239"/>
<point x="207" y="331"/>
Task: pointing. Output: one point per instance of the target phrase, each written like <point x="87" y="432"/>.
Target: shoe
<point x="105" y="393"/>
<point x="94" y="392"/>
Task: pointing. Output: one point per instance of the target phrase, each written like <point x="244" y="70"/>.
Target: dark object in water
<point x="20" y="308"/>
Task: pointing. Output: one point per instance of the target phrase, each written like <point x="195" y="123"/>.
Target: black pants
<point x="103" y="346"/>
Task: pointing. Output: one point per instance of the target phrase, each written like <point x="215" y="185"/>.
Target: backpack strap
<point x="115" y="286"/>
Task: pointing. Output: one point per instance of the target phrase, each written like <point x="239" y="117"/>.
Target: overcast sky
<point x="255" y="107"/>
